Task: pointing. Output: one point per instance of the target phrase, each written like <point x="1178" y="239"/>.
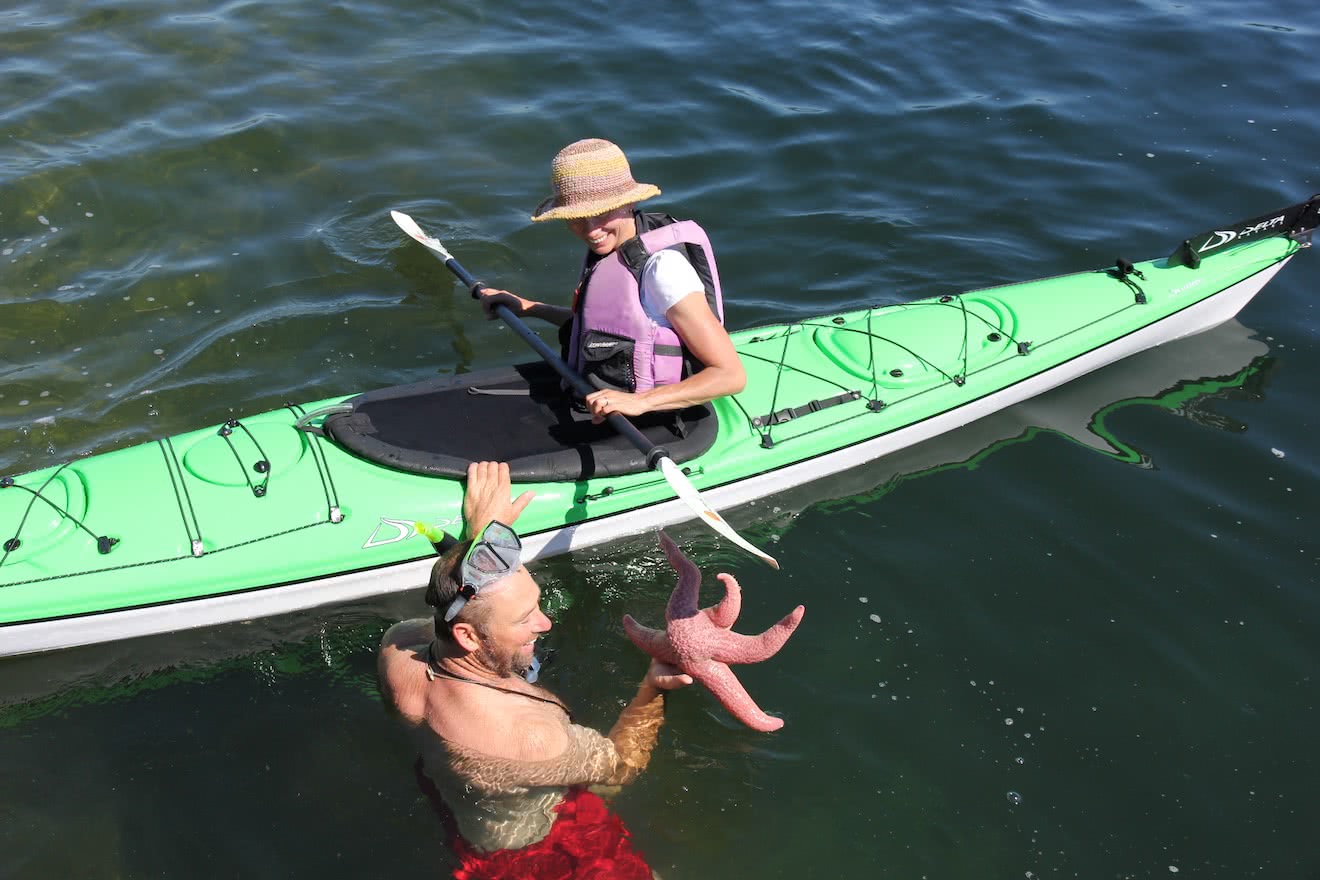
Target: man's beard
<point x="508" y="665"/>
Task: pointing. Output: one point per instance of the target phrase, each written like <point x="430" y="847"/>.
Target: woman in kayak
<point x="646" y="324"/>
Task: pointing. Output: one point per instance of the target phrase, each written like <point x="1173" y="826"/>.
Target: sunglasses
<point x="495" y="554"/>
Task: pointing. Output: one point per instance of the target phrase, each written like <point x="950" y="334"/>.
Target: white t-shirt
<point x="667" y="277"/>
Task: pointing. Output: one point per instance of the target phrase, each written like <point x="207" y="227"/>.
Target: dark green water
<point x="1032" y="649"/>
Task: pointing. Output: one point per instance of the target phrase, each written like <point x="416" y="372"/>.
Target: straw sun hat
<point x="591" y="177"/>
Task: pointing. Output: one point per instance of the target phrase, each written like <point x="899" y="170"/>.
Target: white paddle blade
<point x="409" y="225"/>
<point x="707" y="514"/>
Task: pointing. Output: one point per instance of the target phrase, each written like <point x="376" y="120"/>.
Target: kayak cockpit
<point x="517" y="415"/>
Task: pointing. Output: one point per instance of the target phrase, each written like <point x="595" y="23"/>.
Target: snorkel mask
<point x="495" y="554"/>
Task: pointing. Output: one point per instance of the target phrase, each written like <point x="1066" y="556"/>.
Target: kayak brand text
<point x="1221" y="237"/>
<point x="392" y="531"/>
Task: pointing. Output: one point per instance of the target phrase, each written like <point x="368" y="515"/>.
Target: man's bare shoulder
<point x="418" y="630"/>
<point x="401" y="667"/>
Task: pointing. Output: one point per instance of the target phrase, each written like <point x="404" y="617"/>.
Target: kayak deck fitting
<point x="268" y="514"/>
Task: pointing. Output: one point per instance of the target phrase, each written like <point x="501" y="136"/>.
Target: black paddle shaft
<point x="579" y="385"/>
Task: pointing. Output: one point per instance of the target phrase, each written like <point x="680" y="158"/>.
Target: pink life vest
<point x="612" y="337"/>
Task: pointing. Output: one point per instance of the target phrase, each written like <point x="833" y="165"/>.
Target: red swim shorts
<point x="586" y="842"/>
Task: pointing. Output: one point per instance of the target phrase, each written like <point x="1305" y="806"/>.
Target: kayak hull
<point x="204" y="536"/>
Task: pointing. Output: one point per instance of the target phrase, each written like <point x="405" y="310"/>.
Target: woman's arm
<point x="524" y="308"/>
<point x="709" y="342"/>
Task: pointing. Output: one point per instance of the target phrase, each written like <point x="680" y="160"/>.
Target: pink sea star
<point x="702" y="643"/>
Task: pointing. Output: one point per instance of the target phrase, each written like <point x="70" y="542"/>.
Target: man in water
<point x="504" y="755"/>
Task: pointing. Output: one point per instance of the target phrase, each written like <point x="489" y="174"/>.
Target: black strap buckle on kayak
<point x="778" y="417"/>
<point x="1122" y="270"/>
<point x="603" y="493"/>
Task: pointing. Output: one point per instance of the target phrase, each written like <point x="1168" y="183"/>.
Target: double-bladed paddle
<point x="657" y="457"/>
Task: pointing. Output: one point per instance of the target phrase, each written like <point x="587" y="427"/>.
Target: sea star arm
<point x="683" y="601"/>
<point x="726" y="612"/>
<point x="653" y="641"/>
<point x="735" y="647"/>
<point x="721" y="682"/>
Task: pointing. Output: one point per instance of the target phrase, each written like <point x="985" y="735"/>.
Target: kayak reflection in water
<point x="647" y="321"/>
<point x="501" y="758"/>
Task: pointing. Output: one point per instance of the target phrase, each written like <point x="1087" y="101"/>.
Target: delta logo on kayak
<point x="1221" y="237"/>
<point x="392" y="531"/>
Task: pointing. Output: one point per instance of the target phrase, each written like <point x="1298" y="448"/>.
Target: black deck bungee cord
<point x="322" y="466"/>
<point x="262" y="465"/>
<point x="181" y="495"/>
<point x="104" y="543"/>
<point x="1020" y="348"/>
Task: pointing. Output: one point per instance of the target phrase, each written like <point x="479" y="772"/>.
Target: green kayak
<point x="324" y="503"/>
